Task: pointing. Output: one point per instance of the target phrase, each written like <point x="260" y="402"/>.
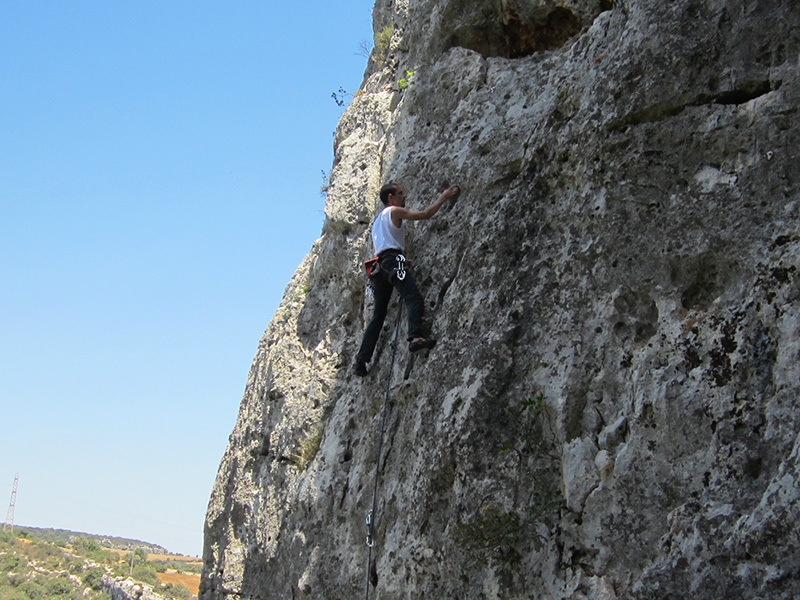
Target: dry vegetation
<point x="190" y="580"/>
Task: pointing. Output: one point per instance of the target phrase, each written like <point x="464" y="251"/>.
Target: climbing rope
<point x="374" y="509"/>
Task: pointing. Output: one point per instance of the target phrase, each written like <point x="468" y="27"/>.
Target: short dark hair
<point x="389" y="188"/>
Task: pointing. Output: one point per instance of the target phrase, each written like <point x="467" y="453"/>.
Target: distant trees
<point x="179" y="591"/>
<point x="32" y="568"/>
<point x="93" y="578"/>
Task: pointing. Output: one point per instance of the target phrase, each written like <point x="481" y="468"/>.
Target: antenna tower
<point x="9" y="524"/>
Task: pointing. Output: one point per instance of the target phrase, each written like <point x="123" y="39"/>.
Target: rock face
<point x="611" y="409"/>
<point x="123" y="588"/>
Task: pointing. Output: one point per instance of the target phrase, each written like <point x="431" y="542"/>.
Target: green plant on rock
<point x="301" y="291"/>
<point x="405" y="81"/>
<point x="340" y="97"/>
<point x="308" y="449"/>
<point x="493" y="533"/>
<point x="499" y="534"/>
<point x="532" y="420"/>
<point x="529" y="434"/>
<point x="383" y="40"/>
<point x="326" y="183"/>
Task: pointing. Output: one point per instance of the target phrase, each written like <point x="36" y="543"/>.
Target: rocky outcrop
<point x="125" y="588"/>
<point x="611" y="409"/>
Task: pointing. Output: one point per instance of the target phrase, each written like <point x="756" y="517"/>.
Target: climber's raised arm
<point x="400" y="213"/>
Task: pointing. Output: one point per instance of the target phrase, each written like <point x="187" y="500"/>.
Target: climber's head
<point x="393" y="195"/>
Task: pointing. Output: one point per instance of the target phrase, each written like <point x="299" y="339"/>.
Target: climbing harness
<point x="373" y="269"/>
<point x="370" y="521"/>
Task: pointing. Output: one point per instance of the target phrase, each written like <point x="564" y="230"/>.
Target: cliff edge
<point x="611" y="411"/>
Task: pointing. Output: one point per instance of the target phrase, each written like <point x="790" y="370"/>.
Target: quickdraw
<point x="400" y="270"/>
<point x="370" y="540"/>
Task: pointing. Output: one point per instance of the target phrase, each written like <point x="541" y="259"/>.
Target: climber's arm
<point x="400" y="213"/>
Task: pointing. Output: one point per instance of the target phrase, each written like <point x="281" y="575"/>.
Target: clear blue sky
<point x="160" y="173"/>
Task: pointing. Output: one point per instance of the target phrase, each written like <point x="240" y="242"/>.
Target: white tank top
<point x="385" y="235"/>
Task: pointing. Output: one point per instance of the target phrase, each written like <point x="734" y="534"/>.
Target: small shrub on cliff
<point x="308" y="449"/>
<point x="405" y="81"/>
<point x="326" y="183"/>
<point x="310" y="446"/>
<point x="383" y="40"/>
<point x="340" y="97"/>
<point x="493" y="533"/>
<point x="499" y="534"/>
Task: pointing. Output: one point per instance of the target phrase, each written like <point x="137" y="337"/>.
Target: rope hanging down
<point x="374" y="509"/>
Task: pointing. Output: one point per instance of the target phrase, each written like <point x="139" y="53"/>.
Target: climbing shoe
<point x="421" y="344"/>
<point x="361" y="368"/>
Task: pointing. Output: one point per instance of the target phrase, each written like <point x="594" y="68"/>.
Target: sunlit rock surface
<point x="611" y="411"/>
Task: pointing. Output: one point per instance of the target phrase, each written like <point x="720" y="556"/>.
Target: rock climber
<point x="388" y="239"/>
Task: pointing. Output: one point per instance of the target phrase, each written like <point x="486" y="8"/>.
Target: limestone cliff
<point x="611" y="411"/>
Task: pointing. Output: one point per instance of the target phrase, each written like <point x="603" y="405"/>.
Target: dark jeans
<point x="382" y="286"/>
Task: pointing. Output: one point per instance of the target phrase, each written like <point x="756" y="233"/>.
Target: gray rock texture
<point x="124" y="588"/>
<point x="611" y="411"/>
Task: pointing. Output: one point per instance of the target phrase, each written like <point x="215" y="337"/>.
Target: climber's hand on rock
<point x="452" y="192"/>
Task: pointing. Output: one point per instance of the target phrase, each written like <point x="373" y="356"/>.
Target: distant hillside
<point x="38" y="564"/>
<point x="61" y="537"/>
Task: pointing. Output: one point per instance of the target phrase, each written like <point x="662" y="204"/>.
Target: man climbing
<point x="388" y="239"/>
